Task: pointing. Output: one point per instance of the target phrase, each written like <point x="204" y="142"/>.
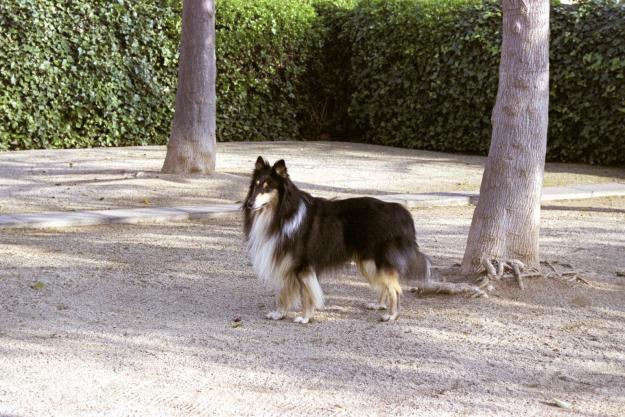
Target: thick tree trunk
<point x="506" y="220"/>
<point x="191" y="147"/>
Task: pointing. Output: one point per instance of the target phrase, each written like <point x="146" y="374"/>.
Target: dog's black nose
<point x="249" y="204"/>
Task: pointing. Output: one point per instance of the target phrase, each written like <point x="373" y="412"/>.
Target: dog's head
<point x="267" y="185"/>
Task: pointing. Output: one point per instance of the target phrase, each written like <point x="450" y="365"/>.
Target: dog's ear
<point x="280" y="168"/>
<point x="260" y="163"/>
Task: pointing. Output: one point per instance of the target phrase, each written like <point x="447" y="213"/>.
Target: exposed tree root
<point x="496" y="270"/>
<point x="449" y="288"/>
<point x="493" y="271"/>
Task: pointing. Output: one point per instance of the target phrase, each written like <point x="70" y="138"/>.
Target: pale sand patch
<point x="138" y="321"/>
<point x="103" y="178"/>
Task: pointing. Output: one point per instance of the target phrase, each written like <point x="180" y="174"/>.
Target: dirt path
<point x="138" y="321"/>
<point x="102" y="178"/>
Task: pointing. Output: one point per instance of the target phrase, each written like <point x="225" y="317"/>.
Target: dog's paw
<point x="376" y="306"/>
<point x="300" y="319"/>
<point x="389" y="317"/>
<point x="274" y="315"/>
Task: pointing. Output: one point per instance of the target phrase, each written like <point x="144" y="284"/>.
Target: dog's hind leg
<point x="311" y="295"/>
<point x="368" y="270"/>
<point x="389" y="280"/>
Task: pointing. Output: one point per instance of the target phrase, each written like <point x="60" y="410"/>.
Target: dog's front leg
<point x="285" y="299"/>
<point x="281" y="311"/>
<point x="310" y="294"/>
<point x="276" y="314"/>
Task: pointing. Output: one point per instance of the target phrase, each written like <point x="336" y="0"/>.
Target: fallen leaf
<point x="236" y="324"/>
<point x="37" y="285"/>
<point x="562" y="404"/>
<point x="146" y="201"/>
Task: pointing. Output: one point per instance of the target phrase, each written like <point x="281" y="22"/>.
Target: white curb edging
<point x="181" y="213"/>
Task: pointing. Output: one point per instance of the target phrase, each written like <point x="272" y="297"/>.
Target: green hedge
<point x="263" y="47"/>
<point x="327" y="88"/>
<point x="587" y="108"/>
<point x="425" y="76"/>
<point x="413" y="73"/>
<point x="86" y="73"/>
<point x="425" y="73"/>
<point x="103" y="73"/>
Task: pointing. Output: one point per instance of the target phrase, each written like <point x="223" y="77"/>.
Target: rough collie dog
<point x="293" y="237"/>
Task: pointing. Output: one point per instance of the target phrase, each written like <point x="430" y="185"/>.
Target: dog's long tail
<point x="422" y="268"/>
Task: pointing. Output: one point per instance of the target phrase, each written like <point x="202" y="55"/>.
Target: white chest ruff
<point x="262" y="247"/>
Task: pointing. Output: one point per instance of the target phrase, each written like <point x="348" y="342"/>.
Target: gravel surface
<point x="167" y="320"/>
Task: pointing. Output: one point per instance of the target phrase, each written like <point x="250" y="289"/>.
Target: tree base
<point x="186" y="159"/>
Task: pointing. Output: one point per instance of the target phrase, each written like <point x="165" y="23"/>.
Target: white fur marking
<point x="262" y="199"/>
<point x="261" y="247"/>
<point x="389" y="317"/>
<point x="274" y="315"/>
<point x="294" y="222"/>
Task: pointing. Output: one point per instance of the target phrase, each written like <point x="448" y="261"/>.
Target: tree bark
<point x="506" y="221"/>
<point x="191" y="147"/>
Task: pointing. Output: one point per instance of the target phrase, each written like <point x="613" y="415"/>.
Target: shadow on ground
<point x="146" y="314"/>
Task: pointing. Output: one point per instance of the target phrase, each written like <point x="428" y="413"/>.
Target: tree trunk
<point x="191" y="147"/>
<point x="506" y="220"/>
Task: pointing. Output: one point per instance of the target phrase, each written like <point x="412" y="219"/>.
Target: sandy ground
<point x="102" y="178"/>
<point x="140" y="320"/>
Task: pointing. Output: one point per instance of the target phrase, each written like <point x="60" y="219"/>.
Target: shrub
<point x="327" y="79"/>
<point x="425" y="76"/>
<point x="262" y="51"/>
<point x="423" y="73"/>
<point x="587" y="80"/>
<point x="411" y="73"/>
<point x="82" y="73"/>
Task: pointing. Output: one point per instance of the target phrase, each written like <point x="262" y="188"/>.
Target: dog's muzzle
<point x="250" y="206"/>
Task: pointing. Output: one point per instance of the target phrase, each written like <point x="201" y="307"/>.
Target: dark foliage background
<point x="411" y="73"/>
